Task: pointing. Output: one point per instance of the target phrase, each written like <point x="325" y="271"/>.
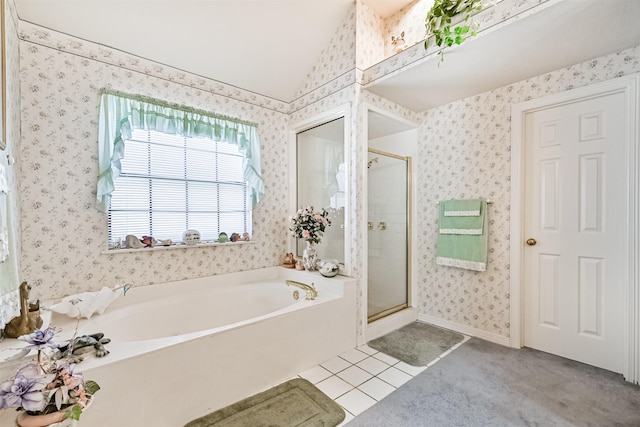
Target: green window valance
<point x="120" y="113"/>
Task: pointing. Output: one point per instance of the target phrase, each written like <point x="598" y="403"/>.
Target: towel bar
<point x="489" y="201"/>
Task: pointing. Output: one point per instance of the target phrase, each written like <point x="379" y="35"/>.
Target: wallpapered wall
<point x="63" y="235"/>
<point x="9" y="303"/>
<point x="465" y="152"/>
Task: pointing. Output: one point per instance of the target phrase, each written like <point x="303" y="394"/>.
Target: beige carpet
<point x="417" y="344"/>
<point x="295" y="403"/>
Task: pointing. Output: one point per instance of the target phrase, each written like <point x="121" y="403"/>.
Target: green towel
<point x="467" y="248"/>
<point x="462" y="207"/>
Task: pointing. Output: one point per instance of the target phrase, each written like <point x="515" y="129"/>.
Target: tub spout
<point x="310" y="289"/>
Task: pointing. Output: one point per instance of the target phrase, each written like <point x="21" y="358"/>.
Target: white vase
<point x="310" y="257"/>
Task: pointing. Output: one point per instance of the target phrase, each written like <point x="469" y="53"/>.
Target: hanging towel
<point x="463" y="240"/>
<point x="462" y="207"/>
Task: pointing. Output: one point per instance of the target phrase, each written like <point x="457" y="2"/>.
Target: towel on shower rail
<point x="463" y="240"/>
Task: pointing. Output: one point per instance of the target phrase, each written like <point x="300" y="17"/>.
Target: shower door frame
<point x="408" y="265"/>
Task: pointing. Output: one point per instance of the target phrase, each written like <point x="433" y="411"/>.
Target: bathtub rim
<point x="329" y="289"/>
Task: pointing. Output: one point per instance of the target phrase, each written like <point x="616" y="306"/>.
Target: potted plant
<point x="46" y="390"/>
<point x="449" y="22"/>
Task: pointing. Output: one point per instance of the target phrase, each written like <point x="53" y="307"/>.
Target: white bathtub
<point x="183" y="349"/>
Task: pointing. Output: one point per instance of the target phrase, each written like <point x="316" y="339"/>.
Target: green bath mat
<point x="417" y="344"/>
<point x="296" y="403"/>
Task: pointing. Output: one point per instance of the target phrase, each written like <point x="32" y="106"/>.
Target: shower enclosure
<point x="389" y="222"/>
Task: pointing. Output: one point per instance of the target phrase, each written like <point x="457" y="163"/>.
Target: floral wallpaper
<point x="464" y="151"/>
<point x="9" y="301"/>
<point x="369" y="37"/>
<point x="489" y="19"/>
<point x="410" y="20"/>
<point x="63" y="235"/>
<point x="334" y="66"/>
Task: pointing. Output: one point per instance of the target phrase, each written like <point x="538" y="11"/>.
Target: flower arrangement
<point x="309" y="225"/>
<point x="47" y="385"/>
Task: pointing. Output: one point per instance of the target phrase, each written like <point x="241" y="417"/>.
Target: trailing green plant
<point x="439" y="23"/>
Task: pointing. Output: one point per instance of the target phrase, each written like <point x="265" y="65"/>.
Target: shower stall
<point x="389" y="241"/>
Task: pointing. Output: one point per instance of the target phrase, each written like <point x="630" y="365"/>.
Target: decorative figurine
<point x="245" y="236"/>
<point x="223" y="238"/>
<point x="132" y="242"/>
<point x="398" y="42"/>
<point x="299" y="264"/>
<point x="191" y="237"/>
<point x="148" y="241"/>
<point x="23" y="324"/>
<point x="289" y="261"/>
<point x="329" y="267"/>
<point x="234" y="237"/>
<point x="84" y="344"/>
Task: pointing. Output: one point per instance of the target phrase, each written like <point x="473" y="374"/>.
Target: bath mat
<point x="294" y="403"/>
<point x="416" y="344"/>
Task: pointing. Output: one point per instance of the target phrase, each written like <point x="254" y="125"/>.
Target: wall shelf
<point x="517" y="40"/>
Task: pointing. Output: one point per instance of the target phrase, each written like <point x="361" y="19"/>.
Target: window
<point x="171" y="183"/>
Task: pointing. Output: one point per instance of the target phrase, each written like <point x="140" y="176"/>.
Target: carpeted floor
<point x="486" y="384"/>
<point x="417" y="343"/>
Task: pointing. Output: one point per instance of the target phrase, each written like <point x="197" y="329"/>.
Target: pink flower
<point x="305" y="234"/>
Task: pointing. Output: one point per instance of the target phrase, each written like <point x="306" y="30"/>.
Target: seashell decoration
<point x="191" y="237"/>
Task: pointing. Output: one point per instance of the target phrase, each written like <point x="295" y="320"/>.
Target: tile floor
<point x="359" y="378"/>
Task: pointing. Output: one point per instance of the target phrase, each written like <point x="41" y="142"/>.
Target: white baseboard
<point x="390" y="323"/>
<point x="467" y="330"/>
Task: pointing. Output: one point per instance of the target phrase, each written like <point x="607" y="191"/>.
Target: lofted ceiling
<point x="264" y="46"/>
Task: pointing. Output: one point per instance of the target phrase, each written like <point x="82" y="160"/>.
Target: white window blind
<point x="170" y="183"/>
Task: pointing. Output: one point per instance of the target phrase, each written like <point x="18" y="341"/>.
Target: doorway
<point x="574" y="225"/>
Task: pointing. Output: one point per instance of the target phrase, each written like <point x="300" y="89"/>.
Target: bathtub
<point x="180" y="350"/>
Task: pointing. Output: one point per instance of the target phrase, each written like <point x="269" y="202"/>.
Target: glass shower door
<point x="388" y="233"/>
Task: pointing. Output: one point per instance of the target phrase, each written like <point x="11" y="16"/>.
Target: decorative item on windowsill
<point x="191" y="237"/>
<point x="309" y="225"/>
<point x="46" y="391"/>
<point x="449" y="22"/>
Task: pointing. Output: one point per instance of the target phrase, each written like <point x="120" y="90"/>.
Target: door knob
<point x="531" y="242"/>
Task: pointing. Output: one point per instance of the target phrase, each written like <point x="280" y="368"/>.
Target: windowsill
<point x="175" y="246"/>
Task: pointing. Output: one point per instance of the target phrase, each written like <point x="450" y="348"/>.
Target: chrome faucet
<point x="311" y="289"/>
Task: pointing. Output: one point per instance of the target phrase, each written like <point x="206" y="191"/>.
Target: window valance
<point x="120" y="113"/>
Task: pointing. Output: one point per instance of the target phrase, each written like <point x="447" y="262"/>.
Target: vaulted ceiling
<point x="264" y="46"/>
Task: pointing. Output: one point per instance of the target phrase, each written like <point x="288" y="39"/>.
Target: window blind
<point x="171" y="183"/>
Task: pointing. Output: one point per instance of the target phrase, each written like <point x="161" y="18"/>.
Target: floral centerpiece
<point x="309" y="225"/>
<point x="47" y="387"/>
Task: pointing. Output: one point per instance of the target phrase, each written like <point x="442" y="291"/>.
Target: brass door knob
<point x="531" y="242"/>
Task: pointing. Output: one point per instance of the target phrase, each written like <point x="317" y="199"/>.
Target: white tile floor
<point x="359" y="378"/>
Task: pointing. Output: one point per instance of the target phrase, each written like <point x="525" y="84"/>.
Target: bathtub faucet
<point x="311" y="290"/>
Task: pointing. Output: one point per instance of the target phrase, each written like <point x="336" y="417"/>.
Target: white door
<point x="576" y="213"/>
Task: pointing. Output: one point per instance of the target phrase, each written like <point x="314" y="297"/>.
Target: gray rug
<point x="417" y="344"/>
<point x="294" y="403"/>
<point x="486" y="384"/>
